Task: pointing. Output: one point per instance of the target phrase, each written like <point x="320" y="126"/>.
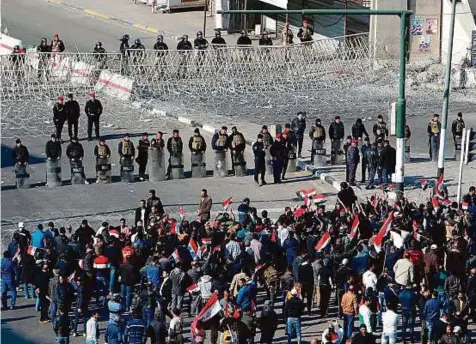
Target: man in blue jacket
<point x="136" y="332"/>
<point x="8" y="280"/>
<point x="431" y="313"/>
<point x="38" y="237"/>
<point x="246" y="294"/>
<point x="408" y="300"/>
<point x="113" y="334"/>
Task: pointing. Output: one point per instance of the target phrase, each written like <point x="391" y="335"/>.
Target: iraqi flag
<point x="319" y="198"/>
<point x="424" y="184"/>
<point x="208" y="311"/>
<point x="464" y="205"/>
<point x="193" y="288"/>
<point x="417" y="236"/>
<point x="355" y="227"/>
<point x="303" y="193"/>
<point x="227" y="203"/>
<point x="31" y="250"/>
<point x="173" y="227"/>
<point x="439" y="185"/>
<point x="193" y="249"/>
<point x="377" y="240"/>
<point x="207" y="241"/>
<point x="323" y="241"/>
<point x="299" y="212"/>
<point x="176" y="256"/>
<point x="181" y="212"/>
<point x="435" y="202"/>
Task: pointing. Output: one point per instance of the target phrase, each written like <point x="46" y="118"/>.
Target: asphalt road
<point x="30" y="20"/>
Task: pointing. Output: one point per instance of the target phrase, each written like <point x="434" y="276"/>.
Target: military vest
<point x="318" y="133"/>
<point x="381" y="128"/>
<point x="127" y="148"/>
<point x="221" y="142"/>
<point x="158" y="144"/>
<point x="267" y="140"/>
<point x="237" y="140"/>
<point x="176" y="146"/>
<point x="434" y="127"/>
<point x="197" y="143"/>
<point x="102" y="151"/>
<point x="459" y="126"/>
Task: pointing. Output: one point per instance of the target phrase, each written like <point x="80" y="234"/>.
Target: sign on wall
<point x="431" y="26"/>
<point x="416" y="27"/>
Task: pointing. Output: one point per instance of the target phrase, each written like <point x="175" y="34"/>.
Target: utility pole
<point x="446" y="94"/>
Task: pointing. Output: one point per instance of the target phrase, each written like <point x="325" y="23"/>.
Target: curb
<point x="105" y="16"/>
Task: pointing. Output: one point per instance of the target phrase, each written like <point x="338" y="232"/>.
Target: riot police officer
<point x="184" y="46"/>
<point x="160" y="46"/>
<point x="143" y="154"/>
<point x="126" y="150"/>
<point x="59" y="117"/>
<point x="265" y="40"/>
<point x="243" y="39"/>
<point x="75" y="153"/>
<point x="260" y="159"/>
<point x="44" y="49"/>
<point x="434" y="130"/>
<point x="237" y="145"/>
<point x="218" y="40"/>
<point x="93" y="110"/>
<point x="100" y="54"/>
<point x="53" y="149"/>
<point x="197" y="143"/>
<point x="380" y="129"/>
<point x="157" y="142"/>
<point x="457" y="128"/>
<point x="336" y="134"/>
<point x="267" y="138"/>
<point x="220" y="141"/>
<point x="200" y="43"/>
<point x="72" y="111"/>
<point x="175" y="148"/>
<point x="298" y="125"/>
<point x="102" y="152"/>
<point x="318" y="135"/>
<point x="124" y="47"/>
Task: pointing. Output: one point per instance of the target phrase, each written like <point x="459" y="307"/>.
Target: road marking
<point x="139" y="26"/>
<point x="58" y="2"/>
<point x="96" y="14"/>
<point x="152" y="29"/>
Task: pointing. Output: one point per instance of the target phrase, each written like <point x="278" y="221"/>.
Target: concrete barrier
<point x="114" y="85"/>
<point x="7" y="43"/>
<point x="81" y="73"/>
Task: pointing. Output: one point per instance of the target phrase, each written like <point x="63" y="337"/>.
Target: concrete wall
<point x="425" y="30"/>
<point x="464" y="24"/>
<point x="385" y="30"/>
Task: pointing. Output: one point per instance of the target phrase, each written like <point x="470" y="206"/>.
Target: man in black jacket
<point x="298" y="125"/>
<point x="53" y="149"/>
<point x="336" y="134"/>
<point x="59" y="117"/>
<point x="62" y="326"/>
<point x="72" y="111"/>
<point x="142" y="214"/>
<point x="153" y="200"/>
<point x="292" y="313"/>
<point x="93" y="109"/>
<point x="306" y="278"/>
<point x="157" y="331"/>
<point x="75" y="153"/>
<point x="388" y="160"/>
<point x="277" y="152"/>
<point x="260" y="163"/>
<point x="20" y="153"/>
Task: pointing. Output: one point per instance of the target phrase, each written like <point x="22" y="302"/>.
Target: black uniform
<point x="197" y="144"/>
<point x="53" y="150"/>
<point x="218" y="40"/>
<point x="277" y="152"/>
<point x="200" y="43"/>
<point x="260" y="164"/>
<point x="298" y="126"/>
<point x="380" y="130"/>
<point x="175" y="148"/>
<point x="353" y="159"/>
<point x="358" y="130"/>
<point x="93" y="110"/>
<point x="336" y="134"/>
<point x="237" y="146"/>
<point x="457" y="129"/>
<point x="265" y="41"/>
<point x="161" y="48"/>
<point x="99" y="53"/>
<point x="364" y="150"/>
<point x="44" y="51"/>
<point x="184" y="45"/>
<point x="72" y="111"/>
<point x="20" y="155"/>
<point x="142" y="155"/>
<point x="243" y="40"/>
<point x="124" y="48"/>
<point x="75" y="152"/>
<point x="305" y="36"/>
<point x="59" y="117"/>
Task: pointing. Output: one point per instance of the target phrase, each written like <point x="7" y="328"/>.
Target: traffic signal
<point x="471" y="146"/>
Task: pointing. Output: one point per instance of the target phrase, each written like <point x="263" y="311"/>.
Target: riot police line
<point x="156" y="159"/>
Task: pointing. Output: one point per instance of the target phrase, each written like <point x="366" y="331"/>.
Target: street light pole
<point x="446" y="94"/>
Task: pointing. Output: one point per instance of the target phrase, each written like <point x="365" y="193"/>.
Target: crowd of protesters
<point x="391" y="266"/>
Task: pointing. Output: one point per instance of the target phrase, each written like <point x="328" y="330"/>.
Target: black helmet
<point x="16" y="48"/>
<point x="199" y="33"/>
<point x="217" y="33"/>
<point x="125" y="37"/>
<point x="137" y="41"/>
<point x="185" y="37"/>
<point x="160" y="38"/>
<point x="243" y="32"/>
<point x="44" y="40"/>
<point x="99" y="44"/>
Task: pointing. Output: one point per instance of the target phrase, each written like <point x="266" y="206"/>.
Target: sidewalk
<point x="415" y="171"/>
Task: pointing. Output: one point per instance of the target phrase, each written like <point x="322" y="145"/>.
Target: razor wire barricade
<point x="164" y="73"/>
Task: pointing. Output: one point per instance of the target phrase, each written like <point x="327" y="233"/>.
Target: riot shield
<point x="77" y="171"/>
<point x="156" y="165"/>
<point x="22" y="176"/>
<point x="220" y="168"/>
<point x="239" y="163"/>
<point x="103" y="168"/>
<point x="199" y="167"/>
<point x="268" y="160"/>
<point x="176" y="167"/>
<point x="53" y="173"/>
<point x="127" y="169"/>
